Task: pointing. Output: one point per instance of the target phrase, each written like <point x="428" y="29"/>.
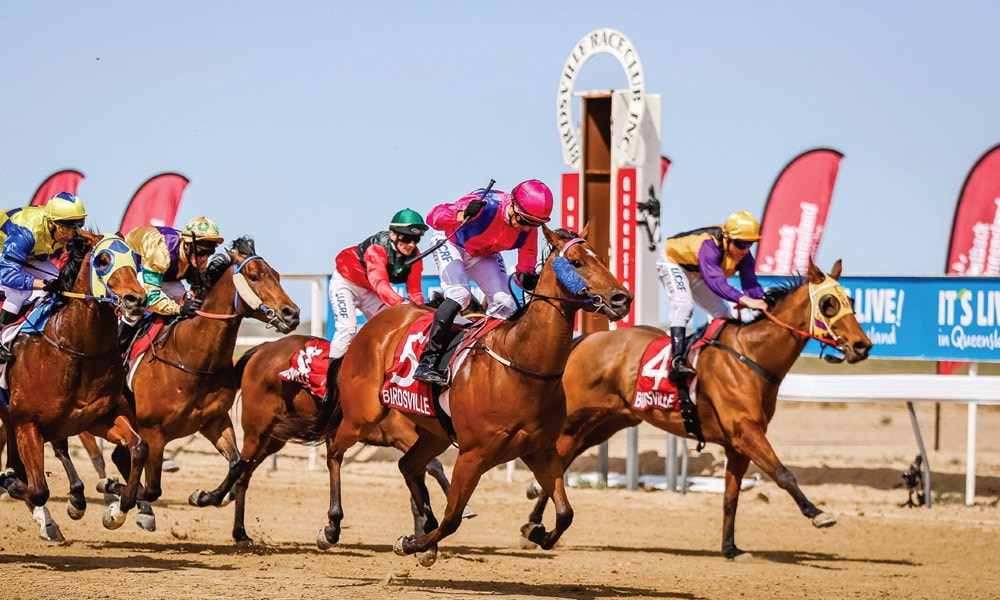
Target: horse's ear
<point x="586" y="230"/>
<point x="814" y="274"/>
<point x="835" y="271"/>
<point x="550" y="236"/>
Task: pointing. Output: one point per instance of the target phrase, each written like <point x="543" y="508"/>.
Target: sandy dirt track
<point x="622" y="544"/>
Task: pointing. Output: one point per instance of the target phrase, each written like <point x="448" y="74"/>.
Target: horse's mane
<point x="76" y="249"/>
<point x="566" y="234"/>
<point x="776" y="294"/>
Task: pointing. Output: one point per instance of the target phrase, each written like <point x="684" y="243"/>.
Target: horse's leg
<point x="548" y="470"/>
<point x="93" y="449"/>
<point x="33" y="490"/>
<point x="220" y="432"/>
<point x="436" y="469"/>
<point x="253" y="454"/>
<point x="413" y="466"/>
<point x="469" y="468"/>
<point x="121" y="433"/>
<point x="122" y="459"/>
<point x="76" y="506"/>
<point x="752" y="442"/>
<point x="736" y="467"/>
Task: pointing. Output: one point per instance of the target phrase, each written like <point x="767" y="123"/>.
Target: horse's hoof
<point x="468" y="513"/>
<point x="195" y="498"/>
<point x="321" y="542"/>
<point x="527" y="544"/>
<point x="48" y="529"/>
<point x="824" y="520"/>
<point x="75" y="512"/>
<point x="743" y="557"/>
<point x="105" y="485"/>
<point x="146" y="522"/>
<point x="247" y="543"/>
<point x="533" y="490"/>
<point x="113" y="517"/>
<point x="529" y="529"/>
<point x="398" y="546"/>
<point x="428" y="558"/>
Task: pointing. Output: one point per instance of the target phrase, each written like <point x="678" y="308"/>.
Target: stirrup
<point x="679" y="368"/>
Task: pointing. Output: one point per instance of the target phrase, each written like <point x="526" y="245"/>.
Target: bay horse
<point x="505" y="396"/>
<point x="736" y="386"/>
<point x="185" y="383"/>
<point x="267" y="399"/>
<point x="68" y="379"/>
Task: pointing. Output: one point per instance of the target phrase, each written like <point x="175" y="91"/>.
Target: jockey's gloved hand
<point x="50" y="285"/>
<point x="472" y="208"/>
<point x="189" y="307"/>
<point x="527" y="281"/>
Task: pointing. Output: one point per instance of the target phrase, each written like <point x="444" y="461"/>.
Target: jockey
<point x="475" y="229"/>
<point x="167" y="254"/>
<point x="365" y="273"/>
<point x="695" y="266"/>
<point x="31" y="236"/>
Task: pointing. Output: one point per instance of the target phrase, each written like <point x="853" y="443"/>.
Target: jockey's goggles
<point x="70" y="224"/>
<point x="407" y="239"/>
<point x="742" y="244"/>
<point x="204" y="249"/>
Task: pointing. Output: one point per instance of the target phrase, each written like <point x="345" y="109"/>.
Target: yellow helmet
<point x="741" y="225"/>
<point x="201" y="229"/>
<point x="65" y="206"/>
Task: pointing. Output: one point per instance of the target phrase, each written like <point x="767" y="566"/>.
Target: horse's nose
<point x="861" y="348"/>
<point x="290" y="315"/>
<point x="621" y="301"/>
<point x="131" y="301"/>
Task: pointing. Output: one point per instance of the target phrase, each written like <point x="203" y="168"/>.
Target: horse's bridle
<point x="569" y="278"/>
<point x="244" y="290"/>
<point x="120" y="256"/>
<point x="840" y="306"/>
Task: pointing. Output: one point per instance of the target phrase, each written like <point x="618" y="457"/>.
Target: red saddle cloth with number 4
<point x="309" y="367"/>
<point x="653" y="389"/>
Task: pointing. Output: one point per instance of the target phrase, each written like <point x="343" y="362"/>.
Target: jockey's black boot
<point x="6" y="318"/>
<point x="679" y="371"/>
<point x="429" y="369"/>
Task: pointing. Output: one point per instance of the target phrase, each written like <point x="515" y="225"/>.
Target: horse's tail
<point x="304" y="429"/>
<point x="241" y="364"/>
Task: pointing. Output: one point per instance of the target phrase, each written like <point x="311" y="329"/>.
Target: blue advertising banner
<point x="932" y="318"/>
<point x="428" y="284"/>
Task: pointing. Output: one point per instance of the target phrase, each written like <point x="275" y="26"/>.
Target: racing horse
<point x="266" y="400"/>
<point x="736" y="386"/>
<point x="185" y="382"/>
<point x="505" y="395"/>
<point x="68" y="379"/>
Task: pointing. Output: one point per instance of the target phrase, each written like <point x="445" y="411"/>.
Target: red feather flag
<point x="974" y="248"/>
<point x="155" y="202"/>
<point x="795" y="213"/>
<point x="61" y="181"/>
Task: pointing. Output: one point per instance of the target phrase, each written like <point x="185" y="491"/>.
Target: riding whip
<point x="440" y="243"/>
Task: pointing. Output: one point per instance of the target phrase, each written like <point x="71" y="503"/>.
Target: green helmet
<point x="408" y="222"/>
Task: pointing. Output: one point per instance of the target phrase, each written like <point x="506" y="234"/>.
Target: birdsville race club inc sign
<point x="615" y="43"/>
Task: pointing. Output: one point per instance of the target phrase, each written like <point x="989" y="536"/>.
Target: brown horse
<point x="267" y="400"/>
<point x="68" y="379"/>
<point x="505" y="396"/>
<point x="185" y="384"/>
<point x="736" y="387"/>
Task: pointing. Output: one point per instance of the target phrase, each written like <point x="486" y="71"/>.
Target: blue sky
<point x="308" y="124"/>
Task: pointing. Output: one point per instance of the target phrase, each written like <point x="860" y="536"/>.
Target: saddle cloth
<point x="653" y="389"/>
<point x="309" y="367"/>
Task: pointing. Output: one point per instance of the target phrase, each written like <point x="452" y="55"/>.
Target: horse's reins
<point x="249" y="296"/>
<point x="572" y="281"/>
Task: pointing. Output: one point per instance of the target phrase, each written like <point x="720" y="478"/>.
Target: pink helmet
<point x="532" y="199"/>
